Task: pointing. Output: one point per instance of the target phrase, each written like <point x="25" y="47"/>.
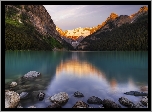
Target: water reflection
<point x="102" y="74"/>
<point x="78" y="68"/>
<point x="74" y="74"/>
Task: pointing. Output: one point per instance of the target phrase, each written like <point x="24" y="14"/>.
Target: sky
<point x="68" y="17"/>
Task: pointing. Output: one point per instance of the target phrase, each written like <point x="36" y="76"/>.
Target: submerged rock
<point x="11" y="99"/>
<point x="80" y="104"/>
<point x="13" y="84"/>
<point x="139" y="105"/>
<point x="41" y="96"/>
<point x="31" y="75"/>
<point x="110" y="104"/>
<point x="136" y="93"/>
<point x="144" y="101"/>
<point x="54" y="105"/>
<point x="60" y="98"/>
<point x="78" y="94"/>
<point x="124" y="101"/>
<point x="94" y="100"/>
<point x="38" y="87"/>
<point x="24" y="95"/>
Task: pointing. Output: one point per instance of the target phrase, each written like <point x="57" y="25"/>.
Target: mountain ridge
<point x="111" y="22"/>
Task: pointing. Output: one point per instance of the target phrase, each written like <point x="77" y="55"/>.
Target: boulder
<point x="13" y="84"/>
<point x="80" y="104"/>
<point x="60" y="98"/>
<point x="31" y="75"/>
<point x="94" y="100"/>
<point x="110" y="104"/>
<point x="41" y="96"/>
<point x="11" y="99"/>
<point x="144" y="101"/>
<point x="24" y="95"/>
<point x="124" y="101"/>
<point x="54" y="105"/>
<point x="78" y="94"/>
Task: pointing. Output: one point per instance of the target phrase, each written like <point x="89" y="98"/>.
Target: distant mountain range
<point x="30" y="27"/>
<point x="92" y="35"/>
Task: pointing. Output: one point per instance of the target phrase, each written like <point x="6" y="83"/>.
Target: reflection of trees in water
<point x="17" y="62"/>
<point x="120" y="64"/>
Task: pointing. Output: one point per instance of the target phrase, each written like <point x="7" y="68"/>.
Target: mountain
<point x="75" y="36"/>
<point x="120" y="33"/>
<point x="30" y="27"/>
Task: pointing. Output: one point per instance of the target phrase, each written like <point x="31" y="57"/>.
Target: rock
<point x="41" y="96"/>
<point x="136" y="93"/>
<point x="24" y="95"/>
<point x="80" y="104"/>
<point x="139" y="105"/>
<point x="31" y="75"/>
<point x="78" y="94"/>
<point x="126" y="102"/>
<point x="60" y="98"/>
<point x="31" y="107"/>
<point x="94" y="100"/>
<point x="144" y="101"/>
<point x="13" y="84"/>
<point x="110" y="104"/>
<point x="11" y="99"/>
<point x="54" y="105"/>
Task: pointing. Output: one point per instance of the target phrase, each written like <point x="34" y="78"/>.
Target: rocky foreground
<point x="19" y="90"/>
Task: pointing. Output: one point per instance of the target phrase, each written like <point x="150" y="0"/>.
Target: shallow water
<point x="106" y="75"/>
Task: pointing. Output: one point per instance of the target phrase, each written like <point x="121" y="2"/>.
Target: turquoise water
<point x="106" y="75"/>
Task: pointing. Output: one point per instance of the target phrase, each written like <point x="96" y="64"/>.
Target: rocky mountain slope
<point x="30" y="27"/>
<point x="120" y="33"/>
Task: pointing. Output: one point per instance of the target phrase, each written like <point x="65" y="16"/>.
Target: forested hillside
<point x="22" y="32"/>
<point x="127" y="37"/>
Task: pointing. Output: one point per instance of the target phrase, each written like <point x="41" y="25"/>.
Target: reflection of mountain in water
<point x="80" y="69"/>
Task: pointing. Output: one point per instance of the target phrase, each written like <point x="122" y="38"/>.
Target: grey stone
<point x="94" y="100"/>
<point x="80" y="104"/>
<point x="25" y="95"/>
<point x="60" y="98"/>
<point x="124" y="101"/>
<point x="110" y="104"/>
<point x="78" y="94"/>
<point x="144" y="101"/>
<point x="54" y="105"/>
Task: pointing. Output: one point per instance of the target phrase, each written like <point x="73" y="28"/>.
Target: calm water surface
<point x="106" y="75"/>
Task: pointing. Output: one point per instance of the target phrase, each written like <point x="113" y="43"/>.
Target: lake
<point x="106" y="74"/>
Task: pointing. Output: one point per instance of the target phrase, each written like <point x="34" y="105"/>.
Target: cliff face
<point x="35" y="16"/>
